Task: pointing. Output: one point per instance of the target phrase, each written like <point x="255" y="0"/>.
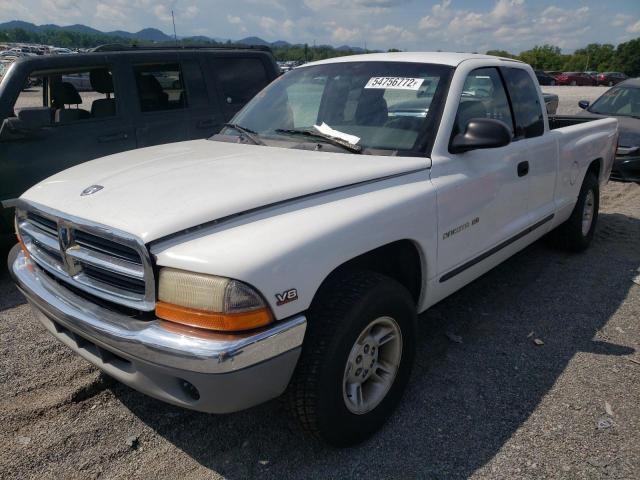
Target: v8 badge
<point x="287" y="296"/>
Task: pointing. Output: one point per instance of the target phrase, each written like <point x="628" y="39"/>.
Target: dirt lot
<point x="570" y="96"/>
<point x="495" y="406"/>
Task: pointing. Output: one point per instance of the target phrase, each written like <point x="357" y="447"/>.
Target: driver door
<point x="482" y="193"/>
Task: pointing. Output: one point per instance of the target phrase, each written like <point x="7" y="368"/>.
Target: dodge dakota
<point x="291" y="253"/>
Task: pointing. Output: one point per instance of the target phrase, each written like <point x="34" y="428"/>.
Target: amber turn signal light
<point x="227" y="322"/>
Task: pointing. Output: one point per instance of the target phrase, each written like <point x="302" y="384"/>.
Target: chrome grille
<point x="104" y="262"/>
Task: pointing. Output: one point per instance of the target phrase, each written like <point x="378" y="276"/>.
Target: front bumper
<point x="626" y="169"/>
<point x="199" y="370"/>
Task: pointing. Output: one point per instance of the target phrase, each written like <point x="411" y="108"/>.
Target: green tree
<point x="500" y="53"/>
<point x="627" y="58"/>
<point x="596" y="56"/>
<point x="543" y="57"/>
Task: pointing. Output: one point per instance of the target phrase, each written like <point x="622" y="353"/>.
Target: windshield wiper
<point x="339" y="142"/>
<point x="247" y="133"/>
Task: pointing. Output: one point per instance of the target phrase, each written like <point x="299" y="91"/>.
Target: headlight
<point x="207" y="301"/>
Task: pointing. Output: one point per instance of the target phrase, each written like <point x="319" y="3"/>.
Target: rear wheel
<point x="356" y="359"/>
<point x="573" y="83"/>
<point x="610" y="84"/>
<point x="577" y="232"/>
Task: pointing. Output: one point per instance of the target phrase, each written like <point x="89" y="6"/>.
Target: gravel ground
<point x="494" y="406"/>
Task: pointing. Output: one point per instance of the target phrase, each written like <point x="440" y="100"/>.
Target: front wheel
<point x="577" y="232"/>
<point x="356" y="359"/>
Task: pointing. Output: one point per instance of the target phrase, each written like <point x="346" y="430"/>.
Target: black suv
<point x="95" y="104"/>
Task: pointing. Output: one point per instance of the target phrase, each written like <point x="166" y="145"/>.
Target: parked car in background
<point x="575" y="78"/>
<point x="291" y="253"/>
<point x="610" y="78"/>
<point x="544" y="79"/>
<point x="622" y="102"/>
<point x="592" y="73"/>
<point x="80" y="81"/>
<point x="96" y="104"/>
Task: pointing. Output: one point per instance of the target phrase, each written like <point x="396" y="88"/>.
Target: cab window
<point x="483" y="96"/>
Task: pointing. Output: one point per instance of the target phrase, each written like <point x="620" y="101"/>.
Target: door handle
<point x="523" y="168"/>
<point x="206" y="123"/>
<point x="113" y="137"/>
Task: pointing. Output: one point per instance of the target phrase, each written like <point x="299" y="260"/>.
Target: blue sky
<point x="458" y="25"/>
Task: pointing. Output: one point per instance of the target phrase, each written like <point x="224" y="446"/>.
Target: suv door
<point x="482" y="194"/>
<point x="538" y="149"/>
<point x="161" y="101"/>
<point x="205" y="113"/>
<point x="85" y="125"/>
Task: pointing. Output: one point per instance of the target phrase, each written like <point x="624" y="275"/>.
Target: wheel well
<point x="399" y="260"/>
<point x="595" y="167"/>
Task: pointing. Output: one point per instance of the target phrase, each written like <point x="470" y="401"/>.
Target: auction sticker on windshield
<point x="398" y="83"/>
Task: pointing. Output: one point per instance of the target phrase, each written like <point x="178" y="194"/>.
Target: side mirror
<point x="481" y="133"/>
<point x="583" y="104"/>
<point x="35" y="118"/>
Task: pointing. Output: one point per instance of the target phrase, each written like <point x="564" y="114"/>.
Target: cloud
<point x="342" y="34"/>
<point x="459" y="25"/>
<point x="109" y="12"/>
<point x="635" y="28"/>
<point x="391" y="34"/>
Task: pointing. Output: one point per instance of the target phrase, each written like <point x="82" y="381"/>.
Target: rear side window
<point x="525" y="103"/>
<point x="160" y="87"/>
<point x="240" y="78"/>
<point x="72" y="94"/>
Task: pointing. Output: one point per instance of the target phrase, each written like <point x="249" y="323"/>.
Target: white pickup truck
<point x="292" y="252"/>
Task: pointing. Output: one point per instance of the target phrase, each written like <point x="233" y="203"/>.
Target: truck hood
<point x="156" y="191"/>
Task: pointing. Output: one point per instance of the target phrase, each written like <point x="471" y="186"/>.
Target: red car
<point x="575" y="78"/>
<point x="610" y="78"/>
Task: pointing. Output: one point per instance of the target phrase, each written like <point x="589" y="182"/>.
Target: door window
<point x="526" y="103"/>
<point x="72" y="95"/>
<point x="483" y="96"/>
<point x="160" y="87"/>
<point x="240" y="78"/>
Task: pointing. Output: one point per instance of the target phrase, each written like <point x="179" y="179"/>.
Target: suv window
<point x="525" y="102"/>
<point x="240" y="78"/>
<point x="483" y="96"/>
<point x="73" y="95"/>
<point x="160" y="87"/>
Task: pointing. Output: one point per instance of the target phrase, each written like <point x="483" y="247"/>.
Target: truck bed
<point x="559" y="121"/>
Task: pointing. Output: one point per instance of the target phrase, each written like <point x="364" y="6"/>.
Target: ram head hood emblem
<point x="91" y="190"/>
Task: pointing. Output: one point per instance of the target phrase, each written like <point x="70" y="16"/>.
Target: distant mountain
<point x="29" y="27"/>
<point x="253" y="41"/>
<point x="280" y="43"/>
<point x="150" y="35"/>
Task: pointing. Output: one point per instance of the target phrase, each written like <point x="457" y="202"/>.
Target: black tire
<point x="335" y="320"/>
<point x="570" y="235"/>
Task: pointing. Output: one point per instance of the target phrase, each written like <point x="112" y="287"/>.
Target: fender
<point x="287" y="251"/>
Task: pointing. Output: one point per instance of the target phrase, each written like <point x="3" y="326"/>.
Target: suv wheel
<point x="356" y="359"/>
<point x="577" y="232"/>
